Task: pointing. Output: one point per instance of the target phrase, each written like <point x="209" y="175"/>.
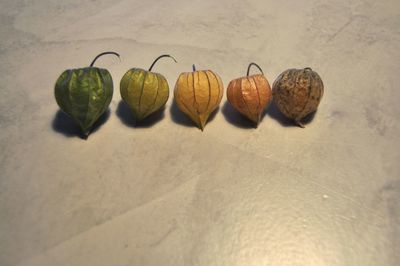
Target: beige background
<point x="167" y="193"/>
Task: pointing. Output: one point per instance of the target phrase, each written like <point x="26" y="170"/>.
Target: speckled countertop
<point x="166" y="193"/>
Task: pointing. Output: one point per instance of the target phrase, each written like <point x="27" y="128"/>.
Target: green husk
<point x="85" y="94"/>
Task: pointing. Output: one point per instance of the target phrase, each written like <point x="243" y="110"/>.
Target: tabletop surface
<point x="164" y="192"/>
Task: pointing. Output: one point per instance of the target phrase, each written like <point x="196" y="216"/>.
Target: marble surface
<point x="166" y="193"/>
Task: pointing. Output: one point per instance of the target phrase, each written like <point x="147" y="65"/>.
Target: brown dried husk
<point x="297" y="93"/>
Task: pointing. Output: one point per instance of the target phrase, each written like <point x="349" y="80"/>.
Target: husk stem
<point x="253" y="64"/>
<point x="104" y="53"/>
<point x="161" y="56"/>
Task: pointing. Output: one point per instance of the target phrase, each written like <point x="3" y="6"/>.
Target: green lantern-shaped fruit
<point x="145" y="92"/>
<point x="85" y="93"/>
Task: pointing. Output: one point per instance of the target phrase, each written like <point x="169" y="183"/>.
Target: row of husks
<point x="85" y="93"/>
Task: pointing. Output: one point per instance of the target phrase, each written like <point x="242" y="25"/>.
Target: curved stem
<point x="161" y="56"/>
<point x="254" y="64"/>
<point x="299" y="123"/>
<point x="94" y="60"/>
<point x="194" y="68"/>
<point x="308" y="68"/>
